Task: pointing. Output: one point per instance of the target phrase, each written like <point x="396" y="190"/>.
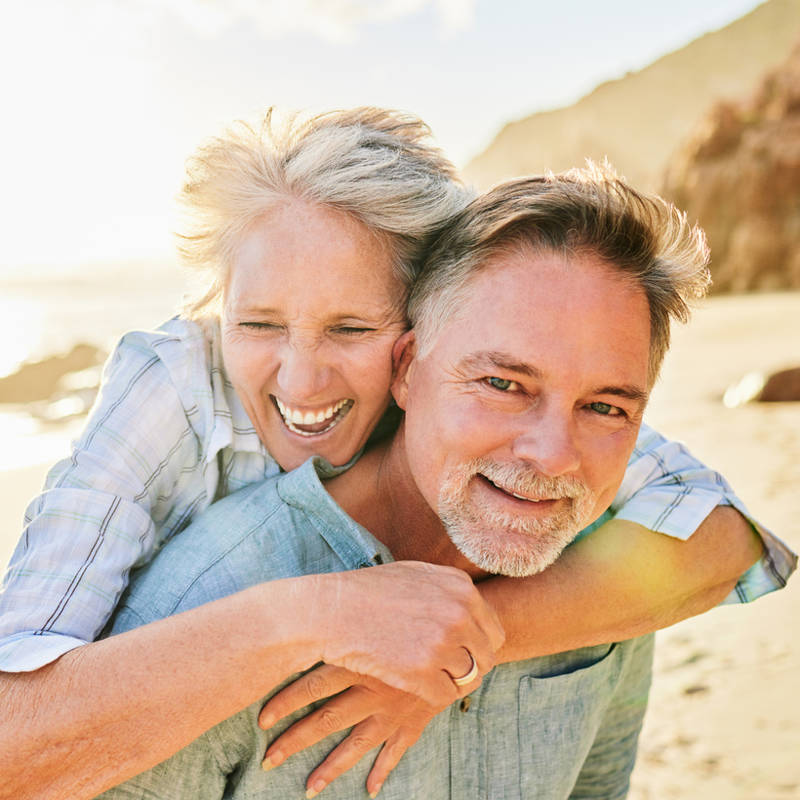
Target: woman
<point x="314" y="228"/>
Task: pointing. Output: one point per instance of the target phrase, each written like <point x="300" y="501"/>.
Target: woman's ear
<point x="403" y="354"/>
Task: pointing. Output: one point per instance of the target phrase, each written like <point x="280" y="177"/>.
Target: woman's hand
<point x="411" y="625"/>
<point x="378" y="714"/>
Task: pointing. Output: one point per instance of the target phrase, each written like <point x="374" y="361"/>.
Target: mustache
<point x="523" y="479"/>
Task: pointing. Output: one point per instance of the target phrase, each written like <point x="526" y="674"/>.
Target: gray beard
<point x="504" y="543"/>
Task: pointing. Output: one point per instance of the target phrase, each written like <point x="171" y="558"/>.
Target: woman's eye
<point x="351" y="330"/>
<point x="502" y="384"/>
<point x="261" y="326"/>
<point x="606" y="409"/>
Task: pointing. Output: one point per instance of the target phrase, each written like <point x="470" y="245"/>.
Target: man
<point x="539" y="329"/>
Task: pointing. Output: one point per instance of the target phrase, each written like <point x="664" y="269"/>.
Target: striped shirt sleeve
<point x="135" y="477"/>
<point x="666" y="489"/>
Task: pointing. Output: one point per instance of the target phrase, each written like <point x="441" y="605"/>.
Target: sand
<point x="724" y="716"/>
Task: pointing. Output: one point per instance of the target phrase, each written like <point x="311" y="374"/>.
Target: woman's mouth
<point x="313" y="422"/>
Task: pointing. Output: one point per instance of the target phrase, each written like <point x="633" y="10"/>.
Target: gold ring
<point x="470" y="675"/>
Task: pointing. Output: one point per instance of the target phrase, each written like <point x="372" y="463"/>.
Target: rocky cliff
<point x="739" y="176"/>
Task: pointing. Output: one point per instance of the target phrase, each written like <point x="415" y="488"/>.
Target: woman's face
<point x="311" y="312"/>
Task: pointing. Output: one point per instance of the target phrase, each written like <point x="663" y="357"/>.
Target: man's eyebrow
<point x="487" y="360"/>
<point x="628" y="391"/>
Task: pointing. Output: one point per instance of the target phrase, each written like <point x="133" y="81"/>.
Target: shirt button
<point x="465" y="703"/>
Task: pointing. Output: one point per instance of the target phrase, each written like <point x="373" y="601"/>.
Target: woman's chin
<point x="291" y="450"/>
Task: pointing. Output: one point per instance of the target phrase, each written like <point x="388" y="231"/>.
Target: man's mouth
<point x="513" y="493"/>
<point x="313" y="422"/>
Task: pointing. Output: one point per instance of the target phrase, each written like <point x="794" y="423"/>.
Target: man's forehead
<point x="536" y="313"/>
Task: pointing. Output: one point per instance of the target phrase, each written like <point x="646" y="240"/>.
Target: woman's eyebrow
<point x="243" y="306"/>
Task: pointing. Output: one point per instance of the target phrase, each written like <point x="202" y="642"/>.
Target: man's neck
<point x="380" y="494"/>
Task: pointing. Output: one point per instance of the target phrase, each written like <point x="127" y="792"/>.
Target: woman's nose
<point x="302" y="373"/>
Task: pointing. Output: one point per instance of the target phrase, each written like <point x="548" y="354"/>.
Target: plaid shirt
<point x="168" y="436"/>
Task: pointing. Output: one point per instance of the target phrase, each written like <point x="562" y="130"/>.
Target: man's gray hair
<point x="377" y="165"/>
<point x="586" y="211"/>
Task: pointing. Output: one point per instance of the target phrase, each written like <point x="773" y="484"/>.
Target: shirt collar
<point x="232" y="427"/>
<point x="352" y="543"/>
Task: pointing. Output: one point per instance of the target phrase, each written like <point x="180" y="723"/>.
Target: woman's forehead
<point x="334" y="267"/>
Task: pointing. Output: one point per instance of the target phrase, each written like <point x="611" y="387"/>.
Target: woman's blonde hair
<point x="378" y="166"/>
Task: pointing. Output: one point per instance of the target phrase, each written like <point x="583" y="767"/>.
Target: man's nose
<point x="302" y="372"/>
<point x="547" y="442"/>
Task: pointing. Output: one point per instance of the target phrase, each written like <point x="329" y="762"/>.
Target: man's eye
<point x="502" y="384"/>
<point x="606" y="409"/>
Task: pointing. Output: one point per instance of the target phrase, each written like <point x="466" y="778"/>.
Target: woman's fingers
<point x="468" y="675"/>
<point x="377" y="713"/>
<point x="490" y="623"/>
<point x="430" y="639"/>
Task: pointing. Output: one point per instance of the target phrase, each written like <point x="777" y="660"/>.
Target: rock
<point x="39" y="380"/>
<point x="781" y="387"/>
<point x="739" y="177"/>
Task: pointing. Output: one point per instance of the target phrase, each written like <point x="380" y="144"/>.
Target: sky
<point x="103" y="100"/>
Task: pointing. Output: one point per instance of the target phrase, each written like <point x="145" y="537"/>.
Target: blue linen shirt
<point x="553" y="727"/>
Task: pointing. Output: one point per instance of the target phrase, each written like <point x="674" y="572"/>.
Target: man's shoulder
<point x="226" y="549"/>
<point x="284" y="526"/>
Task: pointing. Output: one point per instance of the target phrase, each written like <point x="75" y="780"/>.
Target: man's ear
<point x="403" y="353"/>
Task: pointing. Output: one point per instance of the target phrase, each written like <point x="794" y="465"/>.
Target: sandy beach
<point x="724" y="717"/>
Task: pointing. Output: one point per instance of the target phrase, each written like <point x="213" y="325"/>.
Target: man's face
<point x="521" y="417"/>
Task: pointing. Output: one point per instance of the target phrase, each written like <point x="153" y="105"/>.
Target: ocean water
<point x="47" y="313"/>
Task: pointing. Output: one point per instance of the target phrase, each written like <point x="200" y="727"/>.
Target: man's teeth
<point x="520" y="497"/>
<point x="293" y="416"/>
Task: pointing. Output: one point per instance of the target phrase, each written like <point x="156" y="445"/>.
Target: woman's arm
<point x="622" y="581"/>
<point x="109" y="710"/>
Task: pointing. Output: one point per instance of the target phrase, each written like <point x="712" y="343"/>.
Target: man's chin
<point x="518" y="556"/>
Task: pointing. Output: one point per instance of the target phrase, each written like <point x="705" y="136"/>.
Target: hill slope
<point x="639" y="120"/>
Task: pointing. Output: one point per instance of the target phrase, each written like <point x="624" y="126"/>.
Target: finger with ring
<point x="470" y="675"/>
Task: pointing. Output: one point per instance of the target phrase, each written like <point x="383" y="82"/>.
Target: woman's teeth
<point x="325" y="417"/>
